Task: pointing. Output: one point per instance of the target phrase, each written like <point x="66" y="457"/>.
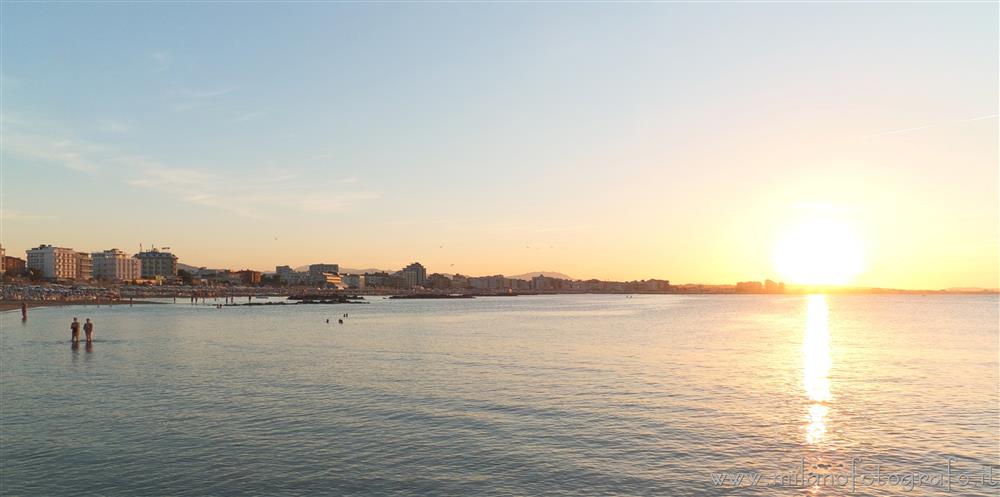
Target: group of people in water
<point x="88" y="329"/>
<point x="339" y="321"/>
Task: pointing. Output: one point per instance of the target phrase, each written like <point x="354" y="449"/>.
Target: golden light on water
<point x="816" y="365"/>
<point x="819" y="251"/>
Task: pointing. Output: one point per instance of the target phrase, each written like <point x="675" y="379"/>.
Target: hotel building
<point x="116" y="265"/>
<point x="156" y="263"/>
<point x="53" y="262"/>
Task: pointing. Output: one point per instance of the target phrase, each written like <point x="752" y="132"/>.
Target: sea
<point x="665" y="395"/>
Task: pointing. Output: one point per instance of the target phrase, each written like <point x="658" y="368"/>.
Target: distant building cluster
<point x="159" y="266"/>
<point x="53" y="263"/>
<point x="767" y="286"/>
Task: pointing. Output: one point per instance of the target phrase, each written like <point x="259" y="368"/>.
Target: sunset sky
<point x="675" y="141"/>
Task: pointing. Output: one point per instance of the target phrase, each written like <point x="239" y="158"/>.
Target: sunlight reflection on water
<point x="816" y="365"/>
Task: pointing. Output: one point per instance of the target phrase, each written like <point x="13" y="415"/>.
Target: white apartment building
<point x="116" y="265"/>
<point x="53" y="262"/>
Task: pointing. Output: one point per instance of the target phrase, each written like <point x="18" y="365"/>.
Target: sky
<point x="615" y="141"/>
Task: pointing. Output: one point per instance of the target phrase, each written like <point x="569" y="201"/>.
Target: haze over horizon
<point x="620" y="142"/>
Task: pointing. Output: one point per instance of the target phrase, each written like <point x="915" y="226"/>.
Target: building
<point x="249" y="276"/>
<point x="56" y="263"/>
<point x="318" y="272"/>
<point x="84" y="266"/>
<point x="115" y="265"/>
<point x="749" y="287"/>
<point x="414" y="274"/>
<point x="3" y="253"/>
<point x="156" y="263"/>
<point x="14" y="266"/>
<point x="332" y="280"/>
<point x="438" y="281"/>
<point x="384" y="279"/>
<point x="544" y="283"/>
<point x="284" y="273"/>
<point x="289" y="276"/>
<point x="354" y="281"/>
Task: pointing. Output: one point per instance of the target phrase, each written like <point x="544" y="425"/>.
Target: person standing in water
<point x="24" y="311"/>
<point x="74" y="328"/>
<point x="88" y="329"/>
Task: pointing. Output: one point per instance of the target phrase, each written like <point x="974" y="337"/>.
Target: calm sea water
<point x="546" y="395"/>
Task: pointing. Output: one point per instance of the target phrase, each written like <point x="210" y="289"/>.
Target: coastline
<point x="15" y="305"/>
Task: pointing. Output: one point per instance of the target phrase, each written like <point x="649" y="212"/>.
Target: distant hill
<point x="550" y="274"/>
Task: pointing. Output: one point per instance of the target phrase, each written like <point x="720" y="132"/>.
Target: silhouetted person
<point x="88" y="329"/>
<point x="341" y="321"/>
<point x="74" y="329"/>
<point x="24" y="311"/>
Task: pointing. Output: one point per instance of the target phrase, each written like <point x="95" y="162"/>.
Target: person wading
<point x="74" y="328"/>
<point x="88" y="329"/>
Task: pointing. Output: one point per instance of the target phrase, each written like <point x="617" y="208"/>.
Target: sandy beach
<point x="13" y="305"/>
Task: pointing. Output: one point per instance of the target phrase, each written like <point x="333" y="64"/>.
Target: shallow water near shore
<point x="554" y="395"/>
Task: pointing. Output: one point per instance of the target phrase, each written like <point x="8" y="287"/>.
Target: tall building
<point x="116" y="265"/>
<point x="156" y="263"/>
<point x="318" y="272"/>
<point x="414" y="274"/>
<point x="84" y="266"/>
<point x="53" y="262"/>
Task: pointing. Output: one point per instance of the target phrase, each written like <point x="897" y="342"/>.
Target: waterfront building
<point x="84" y="266"/>
<point x="249" y="276"/>
<point x="333" y="280"/>
<point x="353" y="281"/>
<point x="384" y="279"/>
<point x="14" y="266"/>
<point x="156" y="263"/>
<point x="3" y="254"/>
<point x="459" y="281"/>
<point x="438" y="281"/>
<point x="771" y="286"/>
<point x="318" y="272"/>
<point x="290" y="276"/>
<point x="53" y="262"/>
<point x="544" y="283"/>
<point x="116" y="265"/>
<point x="749" y="287"/>
<point x="414" y="274"/>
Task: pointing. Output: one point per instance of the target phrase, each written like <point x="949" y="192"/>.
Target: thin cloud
<point x="257" y="193"/>
<point x="936" y="125"/>
<point x="72" y="154"/>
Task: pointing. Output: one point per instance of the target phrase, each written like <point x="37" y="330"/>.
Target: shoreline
<point x="15" y="305"/>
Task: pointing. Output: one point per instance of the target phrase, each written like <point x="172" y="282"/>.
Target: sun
<point x="819" y="251"/>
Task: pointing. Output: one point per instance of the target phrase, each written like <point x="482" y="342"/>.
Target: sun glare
<point x="819" y="251"/>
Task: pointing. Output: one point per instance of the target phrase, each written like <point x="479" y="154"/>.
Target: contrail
<point x="917" y="128"/>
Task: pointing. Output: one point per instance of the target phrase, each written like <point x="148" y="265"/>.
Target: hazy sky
<point x="621" y="141"/>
